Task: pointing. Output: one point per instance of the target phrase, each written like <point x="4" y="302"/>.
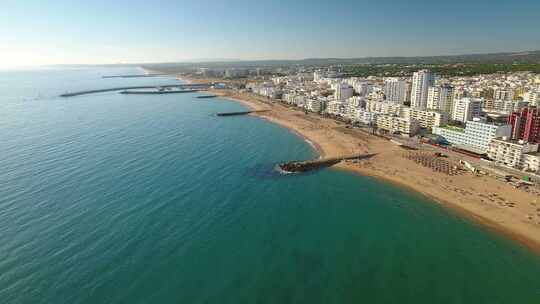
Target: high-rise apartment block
<point x="421" y="82"/>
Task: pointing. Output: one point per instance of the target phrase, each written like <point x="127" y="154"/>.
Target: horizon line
<point x="232" y="60"/>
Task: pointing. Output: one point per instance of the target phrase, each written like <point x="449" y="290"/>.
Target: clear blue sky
<point x="46" y="32"/>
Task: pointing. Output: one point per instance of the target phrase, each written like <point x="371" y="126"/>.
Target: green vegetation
<point x="466" y="65"/>
<point x="448" y="70"/>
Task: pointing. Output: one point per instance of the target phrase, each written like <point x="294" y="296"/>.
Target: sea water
<point x="110" y="198"/>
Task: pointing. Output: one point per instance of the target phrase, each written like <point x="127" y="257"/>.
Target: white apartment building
<point x="265" y="89"/>
<point x="395" y="90"/>
<point x="531" y="162"/>
<point x="376" y="95"/>
<point x="421" y="82"/>
<point x="288" y="97"/>
<point x="365" y="117"/>
<point x="426" y="119"/>
<point x="440" y="98"/>
<point x="299" y="100"/>
<point x="515" y="154"/>
<point x="335" y="107"/>
<point x="296" y="99"/>
<point x="315" y="105"/>
<point x="352" y="105"/>
<point x="356" y="101"/>
<point x="342" y="91"/>
<point x="466" y="109"/>
<point x="476" y="136"/>
<point x="362" y="88"/>
<point x="396" y="124"/>
<point x="503" y="94"/>
<point x="509" y="106"/>
<point x="318" y="76"/>
<point x="383" y="107"/>
<point x="532" y="97"/>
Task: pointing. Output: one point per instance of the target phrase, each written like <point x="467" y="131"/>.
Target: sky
<point x="45" y="32"/>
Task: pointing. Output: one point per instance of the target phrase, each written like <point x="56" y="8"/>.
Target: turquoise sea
<point x="111" y="198"/>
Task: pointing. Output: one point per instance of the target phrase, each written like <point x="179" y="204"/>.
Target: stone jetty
<point x="304" y="166"/>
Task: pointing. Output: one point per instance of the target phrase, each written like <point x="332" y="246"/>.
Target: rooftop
<point x="453" y="128"/>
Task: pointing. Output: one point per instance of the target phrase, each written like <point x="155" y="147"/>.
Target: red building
<point x="526" y="124"/>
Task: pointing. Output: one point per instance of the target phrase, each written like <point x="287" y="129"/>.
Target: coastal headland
<point x="494" y="204"/>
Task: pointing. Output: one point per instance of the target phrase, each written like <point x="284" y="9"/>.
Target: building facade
<point x="365" y="117"/>
<point x="526" y="124"/>
<point x="421" y="82"/>
<point x="532" y="97"/>
<point x="426" y="119"/>
<point x="476" y="136"/>
<point x="440" y="98"/>
<point x="503" y="94"/>
<point x="383" y="107"/>
<point x="465" y="109"/>
<point x="396" y="124"/>
<point x="509" y="106"/>
<point x="515" y="154"/>
<point x="395" y="90"/>
<point x="342" y="91"/>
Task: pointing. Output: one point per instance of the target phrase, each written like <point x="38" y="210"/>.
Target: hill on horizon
<point x="524" y="57"/>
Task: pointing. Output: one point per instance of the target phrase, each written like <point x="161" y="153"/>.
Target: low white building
<point x="396" y="124"/>
<point x="515" y="154"/>
<point x="335" y="107"/>
<point x="315" y="105"/>
<point x="296" y="99"/>
<point x="531" y="162"/>
<point x="265" y="89"/>
<point x="383" y="107"/>
<point x="476" y="136"/>
<point x="427" y="119"/>
<point x="365" y="117"/>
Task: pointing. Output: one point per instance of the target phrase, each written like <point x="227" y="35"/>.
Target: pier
<point x="134" y="76"/>
<point x="308" y="165"/>
<point x="158" y="92"/>
<point x="240" y="113"/>
<point x="192" y="86"/>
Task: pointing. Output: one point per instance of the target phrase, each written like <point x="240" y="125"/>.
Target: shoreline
<point x="479" y="220"/>
<point x="314" y="145"/>
<point x="411" y="177"/>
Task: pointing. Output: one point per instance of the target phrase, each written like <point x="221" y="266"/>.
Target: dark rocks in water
<point x="308" y="165"/>
<point x="304" y="166"/>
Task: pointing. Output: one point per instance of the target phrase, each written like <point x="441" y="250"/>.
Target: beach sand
<point x="493" y="203"/>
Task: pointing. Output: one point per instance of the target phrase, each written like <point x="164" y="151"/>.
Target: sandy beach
<point x="494" y="204"/>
